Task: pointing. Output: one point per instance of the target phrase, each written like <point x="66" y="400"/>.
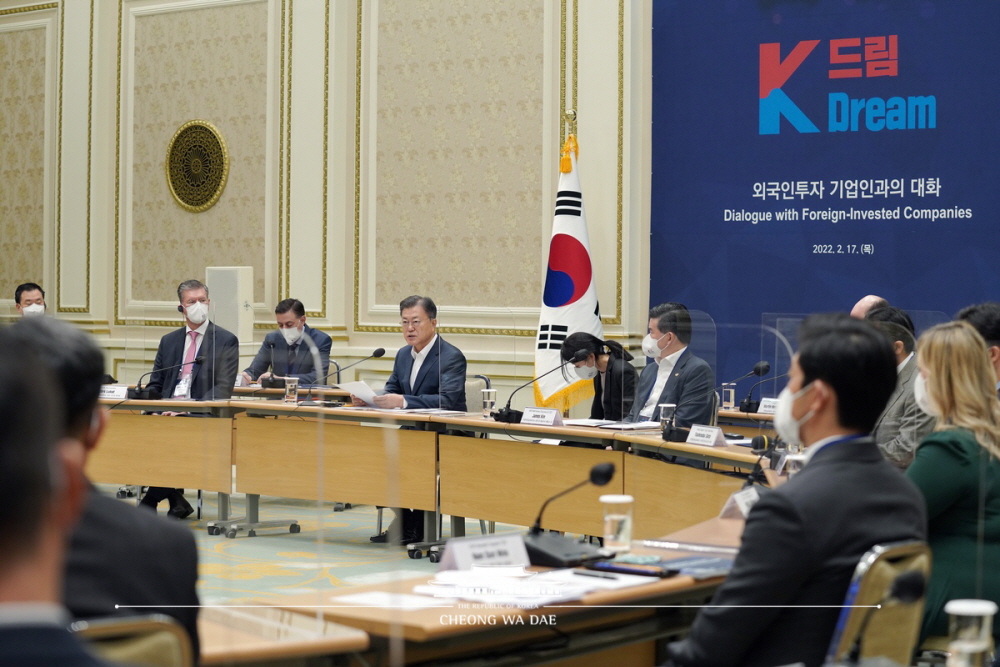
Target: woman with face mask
<point x="607" y="364"/>
<point x="957" y="470"/>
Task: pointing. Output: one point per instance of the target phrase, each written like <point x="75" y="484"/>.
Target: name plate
<point x="462" y="553"/>
<point x="739" y="504"/>
<point x="114" y="391"/>
<point x="710" y="436"/>
<point x="542" y="417"/>
<point x="767" y="406"/>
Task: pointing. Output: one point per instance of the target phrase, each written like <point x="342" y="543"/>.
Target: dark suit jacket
<point x="690" y="388"/>
<point x="212" y="379"/>
<point x="440" y="382"/>
<point x="615" y="400"/>
<point x="903" y="424"/>
<point x="801" y="544"/>
<point x="303" y="367"/>
<point x="120" y="554"/>
<point x="43" y="646"/>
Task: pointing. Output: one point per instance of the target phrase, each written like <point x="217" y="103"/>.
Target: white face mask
<point x="291" y="335"/>
<point x="33" y="309"/>
<point x="923" y="398"/>
<point x="197" y="312"/>
<point x="586" y="372"/>
<point x="784" y="423"/>
<point x="650" y="346"/>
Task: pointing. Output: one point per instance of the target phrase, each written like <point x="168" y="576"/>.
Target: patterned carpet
<point x="332" y="551"/>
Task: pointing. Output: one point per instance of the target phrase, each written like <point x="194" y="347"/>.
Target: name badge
<point x="542" y="417"/>
<point x="114" y="391"/>
<point x="710" y="436"/>
<point x="462" y="553"/>
<point x="183" y="388"/>
<point x="767" y="406"/>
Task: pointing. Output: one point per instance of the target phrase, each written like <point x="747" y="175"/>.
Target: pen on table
<point x="599" y="575"/>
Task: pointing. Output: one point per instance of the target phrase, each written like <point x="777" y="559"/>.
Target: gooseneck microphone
<point x="147" y="394"/>
<point x="747" y="405"/>
<point x="272" y="382"/>
<point x="906" y="588"/>
<point x="761" y="368"/>
<point x="555" y="550"/>
<point x="508" y="416"/>
<point x="380" y="352"/>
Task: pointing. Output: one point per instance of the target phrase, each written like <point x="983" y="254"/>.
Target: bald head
<point x="869" y="302"/>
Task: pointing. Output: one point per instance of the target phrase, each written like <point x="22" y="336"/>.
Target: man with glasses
<point x="428" y="372"/>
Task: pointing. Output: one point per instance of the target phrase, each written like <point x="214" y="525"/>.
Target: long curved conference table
<point x="407" y="459"/>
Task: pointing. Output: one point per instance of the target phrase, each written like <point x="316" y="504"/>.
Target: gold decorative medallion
<point x="197" y="165"/>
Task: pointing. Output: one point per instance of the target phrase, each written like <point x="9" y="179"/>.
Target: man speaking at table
<point x="428" y="372"/>
<point x="286" y="353"/>
<point x="177" y="374"/>
<point x="802" y="540"/>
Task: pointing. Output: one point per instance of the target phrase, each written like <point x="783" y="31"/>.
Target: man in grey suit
<point x="676" y="375"/>
<point x="803" y="540"/>
<point x="902" y="425"/>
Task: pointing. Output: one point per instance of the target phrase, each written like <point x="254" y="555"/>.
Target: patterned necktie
<point x="292" y="351"/>
<point x="189" y="355"/>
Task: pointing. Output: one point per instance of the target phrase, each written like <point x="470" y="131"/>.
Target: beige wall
<point x="378" y="147"/>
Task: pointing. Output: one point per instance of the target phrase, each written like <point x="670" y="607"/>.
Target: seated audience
<point x="902" y="425"/>
<point x="957" y="471"/>
<point x="29" y="299"/>
<point x="118" y="554"/>
<point x="677" y="376"/>
<point x="287" y="351"/>
<point x="41" y="494"/>
<point x="803" y="540"/>
<point x="608" y="365"/>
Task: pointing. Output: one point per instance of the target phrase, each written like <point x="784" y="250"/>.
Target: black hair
<point x="31" y="413"/>
<point x="895" y="323"/>
<point x="676" y="321"/>
<point x="424" y="302"/>
<point x="984" y="318"/>
<point x="656" y="311"/>
<point x="594" y="345"/>
<point x="27" y="287"/>
<point x="75" y="360"/>
<point x="855" y="360"/>
<point x="188" y="285"/>
<point x="293" y="305"/>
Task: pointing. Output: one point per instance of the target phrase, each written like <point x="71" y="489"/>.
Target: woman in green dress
<point x="957" y="470"/>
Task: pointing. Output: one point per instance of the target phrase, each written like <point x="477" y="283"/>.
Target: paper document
<point x="632" y="426"/>
<point x="586" y="422"/>
<point x="361" y="390"/>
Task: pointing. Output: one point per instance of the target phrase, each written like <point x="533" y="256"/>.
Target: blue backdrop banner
<point x="808" y="153"/>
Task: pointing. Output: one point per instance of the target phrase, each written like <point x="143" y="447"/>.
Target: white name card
<point x="710" y="436"/>
<point x="767" y="406"/>
<point x="461" y="553"/>
<point x="542" y="417"/>
<point x="114" y="391"/>
<point x="739" y="504"/>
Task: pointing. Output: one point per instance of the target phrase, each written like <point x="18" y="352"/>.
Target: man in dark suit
<point x="803" y="539"/>
<point x="985" y="318"/>
<point x="676" y="375"/>
<point x="42" y="491"/>
<point x="211" y="379"/>
<point x="902" y="425"/>
<point x="291" y="355"/>
<point x="118" y="555"/>
<point x="29" y="299"/>
<point x="428" y="372"/>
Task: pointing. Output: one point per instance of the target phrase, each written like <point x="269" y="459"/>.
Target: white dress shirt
<point x="667" y="364"/>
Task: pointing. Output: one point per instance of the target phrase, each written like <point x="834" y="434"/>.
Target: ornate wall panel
<point x="207" y="63"/>
<point x="23" y="117"/>
<point x="458" y="174"/>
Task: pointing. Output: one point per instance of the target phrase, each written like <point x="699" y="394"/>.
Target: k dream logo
<point x="849" y="58"/>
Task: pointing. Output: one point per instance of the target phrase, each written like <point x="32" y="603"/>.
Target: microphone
<point x="508" y="416"/>
<point x="762" y="445"/>
<point x="380" y="352"/>
<point x="137" y="392"/>
<point x="554" y="550"/>
<point x="906" y="588"/>
<point x="272" y="382"/>
<point x="747" y="405"/>
<point x="759" y="369"/>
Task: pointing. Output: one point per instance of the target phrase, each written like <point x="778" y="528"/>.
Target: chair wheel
<point x="214" y="530"/>
<point x="251" y="533"/>
<point x="416" y="554"/>
<point x="231" y="533"/>
<point x="295" y="528"/>
<point x="434" y="557"/>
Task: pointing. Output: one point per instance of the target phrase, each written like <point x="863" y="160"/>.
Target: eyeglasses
<point x="406" y="324"/>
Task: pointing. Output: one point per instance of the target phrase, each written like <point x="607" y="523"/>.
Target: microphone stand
<point x="508" y="416"/>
